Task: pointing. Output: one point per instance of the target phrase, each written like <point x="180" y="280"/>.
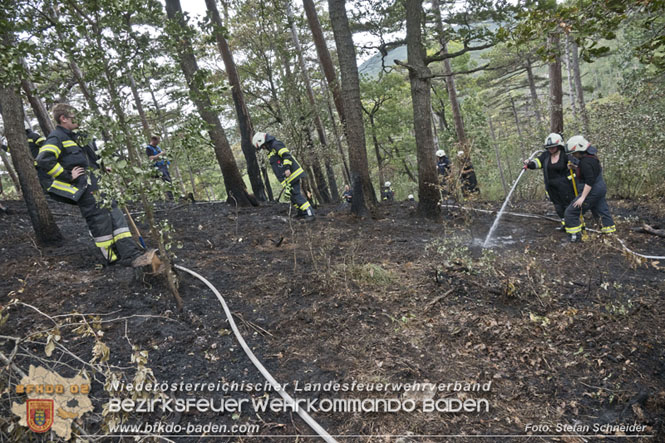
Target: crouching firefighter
<point x="590" y="173"/>
<point x="73" y="168"/>
<point x="287" y="170"/>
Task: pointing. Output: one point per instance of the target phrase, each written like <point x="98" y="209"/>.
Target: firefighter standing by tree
<point x="287" y="170"/>
<point x="590" y="173"/>
<point x="558" y="178"/>
<point x="468" y="175"/>
<point x="71" y="165"/>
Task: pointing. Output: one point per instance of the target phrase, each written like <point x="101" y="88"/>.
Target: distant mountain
<point x="372" y="67"/>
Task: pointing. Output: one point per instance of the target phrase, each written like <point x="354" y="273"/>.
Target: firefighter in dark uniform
<point x="468" y="175"/>
<point x="287" y="170"/>
<point x="558" y="178"/>
<point x="35" y="141"/>
<point x="590" y="174"/>
<point x="387" y="193"/>
<point x="71" y="167"/>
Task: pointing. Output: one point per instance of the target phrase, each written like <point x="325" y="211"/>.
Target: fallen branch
<point x="650" y="230"/>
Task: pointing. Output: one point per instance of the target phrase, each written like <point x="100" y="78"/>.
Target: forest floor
<point x="549" y="334"/>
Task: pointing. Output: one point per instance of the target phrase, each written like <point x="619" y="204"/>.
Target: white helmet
<point x="410" y="197"/>
<point x="440" y="153"/>
<point x="259" y="139"/>
<point x="577" y="144"/>
<point x="554" y="139"/>
<point x="387" y="184"/>
<point x="460" y="153"/>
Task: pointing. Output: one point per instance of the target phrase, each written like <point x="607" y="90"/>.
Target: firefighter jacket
<point x="552" y="172"/>
<point x="35" y="141"/>
<point x="281" y="160"/>
<point x="59" y="154"/>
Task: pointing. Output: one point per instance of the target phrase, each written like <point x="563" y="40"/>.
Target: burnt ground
<point x="566" y="334"/>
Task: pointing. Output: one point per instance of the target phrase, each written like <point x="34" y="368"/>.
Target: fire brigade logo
<point x="40" y="414"/>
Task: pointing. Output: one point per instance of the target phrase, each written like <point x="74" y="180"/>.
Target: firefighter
<point x="468" y="176"/>
<point x="73" y="168"/>
<point x="590" y="174"/>
<point x="35" y="141"/>
<point x="558" y="178"/>
<point x="287" y="170"/>
<point x="442" y="164"/>
<point x="387" y="194"/>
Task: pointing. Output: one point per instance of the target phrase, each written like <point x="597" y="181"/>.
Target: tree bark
<point x="534" y="95"/>
<point x="364" y="197"/>
<point x="578" y="86"/>
<point x="450" y="79"/>
<point x="338" y="139"/>
<point x="571" y="86"/>
<point x="420" y="78"/>
<point x="10" y="170"/>
<point x="37" y="105"/>
<point x="147" y="132"/>
<point x="242" y="113"/>
<point x="556" y="89"/>
<point x="315" y="113"/>
<point x="496" y="152"/>
<point x="46" y="230"/>
<point x="235" y="186"/>
<point x="322" y="50"/>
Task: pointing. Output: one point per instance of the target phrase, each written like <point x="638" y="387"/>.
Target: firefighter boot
<point x="575" y="238"/>
<point x="309" y="214"/>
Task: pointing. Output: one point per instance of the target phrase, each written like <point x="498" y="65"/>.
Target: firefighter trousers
<point x="595" y="201"/>
<point x="109" y="229"/>
<point x="298" y="200"/>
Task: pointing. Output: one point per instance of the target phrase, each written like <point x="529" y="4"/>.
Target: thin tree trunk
<point x="10" y="171"/>
<point x="517" y="124"/>
<point x="235" y="186"/>
<point x="46" y="230"/>
<point x="420" y="78"/>
<point x="324" y="55"/>
<point x="534" y="95"/>
<point x="556" y="90"/>
<point x="323" y="187"/>
<point x="496" y="152"/>
<point x="571" y="87"/>
<point x="578" y="86"/>
<point x="404" y="163"/>
<point x="314" y="110"/>
<point x="242" y="113"/>
<point x="450" y="78"/>
<point x="165" y="134"/>
<point x="338" y="140"/>
<point x="37" y="105"/>
<point x="92" y="102"/>
<point x="375" y="143"/>
<point x="147" y="132"/>
<point x="364" y="197"/>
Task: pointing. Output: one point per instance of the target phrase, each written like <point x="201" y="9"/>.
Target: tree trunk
<point x="517" y="124"/>
<point x="420" y="78"/>
<point x="578" y="86"/>
<point x="322" y="50"/>
<point x="244" y="120"/>
<point x="556" y="90"/>
<point x="534" y="95"/>
<point x="571" y="87"/>
<point x="90" y="99"/>
<point x="37" y="105"/>
<point x="165" y="134"/>
<point x="496" y="152"/>
<point x="364" y="198"/>
<point x="147" y="132"/>
<point x="10" y="170"/>
<point x="377" y="151"/>
<point x="338" y="140"/>
<point x="450" y="79"/>
<point x="235" y="186"/>
<point x="314" y="111"/>
<point x="46" y="231"/>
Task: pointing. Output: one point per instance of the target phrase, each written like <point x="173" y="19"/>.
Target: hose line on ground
<point x="516" y="214"/>
<point x="278" y="388"/>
